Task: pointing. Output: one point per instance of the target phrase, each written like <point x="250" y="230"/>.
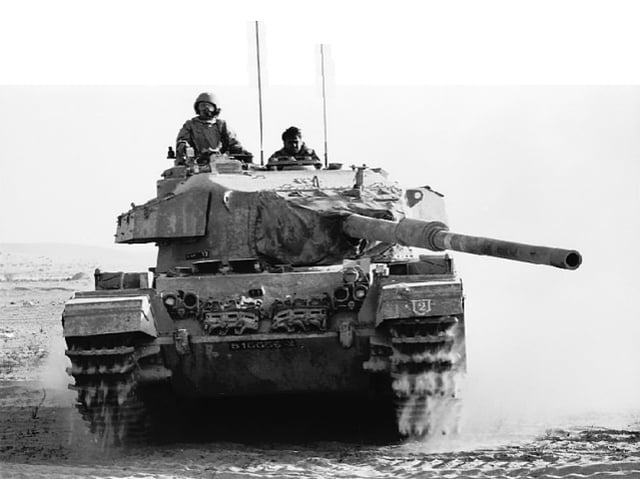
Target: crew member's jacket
<point x="305" y="153"/>
<point x="204" y="135"/>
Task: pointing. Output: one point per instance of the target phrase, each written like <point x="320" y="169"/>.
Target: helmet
<point x="291" y="133"/>
<point x="208" y="97"/>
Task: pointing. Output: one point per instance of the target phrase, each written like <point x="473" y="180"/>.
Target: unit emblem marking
<point x="421" y="306"/>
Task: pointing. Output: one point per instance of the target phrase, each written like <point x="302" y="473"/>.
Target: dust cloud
<point x="542" y="355"/>
<point x="52" y="375"/>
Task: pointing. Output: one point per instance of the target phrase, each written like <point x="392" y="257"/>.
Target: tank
<point x="281" y="280"/>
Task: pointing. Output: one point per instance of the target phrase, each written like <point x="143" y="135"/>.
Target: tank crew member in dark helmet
<point x="207" y="134"/>
<point x="293" y="147"/>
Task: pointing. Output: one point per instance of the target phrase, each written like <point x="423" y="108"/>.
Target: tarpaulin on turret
<point x="287" y="233"/>
<point x="307" y="230"/>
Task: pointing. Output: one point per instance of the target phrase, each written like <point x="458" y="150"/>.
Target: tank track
<point x="108" y="373"/>
<point x="426" y="366"/>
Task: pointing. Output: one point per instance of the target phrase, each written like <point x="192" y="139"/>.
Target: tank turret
<point x="435" y="235"/>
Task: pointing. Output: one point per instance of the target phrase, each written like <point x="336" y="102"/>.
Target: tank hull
<point x="256" y="365"/>
<point x="400" y="344"/>
<point x="212" y="366"/>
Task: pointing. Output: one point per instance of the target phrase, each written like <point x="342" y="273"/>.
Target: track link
<point x="106" y="372"/>
<point x="427" y="364"/>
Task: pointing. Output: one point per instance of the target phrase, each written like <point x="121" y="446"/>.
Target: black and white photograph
<point x="310" y="240"/>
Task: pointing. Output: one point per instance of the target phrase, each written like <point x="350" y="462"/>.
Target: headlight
<point x="169" y="300"/>
<point x="359" y="292"/>
<point x="350" y="275"/>
<point x="341" y="294"/>
<point x="190" y="300"/>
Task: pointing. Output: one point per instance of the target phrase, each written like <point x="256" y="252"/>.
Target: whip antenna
<point x="260" y="92"/>
<point x="324" y="106"/>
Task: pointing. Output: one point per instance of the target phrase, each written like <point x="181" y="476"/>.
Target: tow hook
<point x="346" y="334"/>
<point x="181" y="340"/>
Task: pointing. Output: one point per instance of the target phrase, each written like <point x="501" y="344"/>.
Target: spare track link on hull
<point x="106" y="372"/>
<point x="426" y="368"/>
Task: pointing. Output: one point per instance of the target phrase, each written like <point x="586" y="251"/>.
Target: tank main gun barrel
<point x="435" y="236"/>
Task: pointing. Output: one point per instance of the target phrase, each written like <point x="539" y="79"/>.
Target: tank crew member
<point x="294" y="147"/>
<point x="207" y="134"/>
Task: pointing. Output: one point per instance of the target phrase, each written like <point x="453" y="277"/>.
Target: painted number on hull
<point x="271" y="344"/>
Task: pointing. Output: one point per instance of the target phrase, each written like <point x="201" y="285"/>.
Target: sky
<point x="526" y="117"/>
